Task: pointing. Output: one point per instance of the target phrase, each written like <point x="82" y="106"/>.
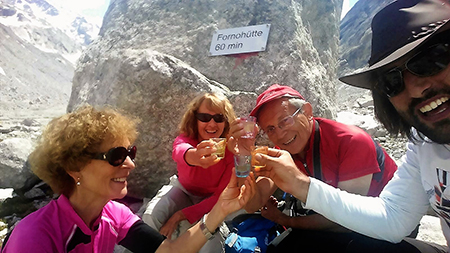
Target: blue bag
<point x="250" y="233"/>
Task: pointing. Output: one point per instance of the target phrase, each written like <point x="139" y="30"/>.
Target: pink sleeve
<point x="195" y="212"/>
<point x="179" y="148"/>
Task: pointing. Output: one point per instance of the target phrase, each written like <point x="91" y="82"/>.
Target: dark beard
<point x="440" y="132"/>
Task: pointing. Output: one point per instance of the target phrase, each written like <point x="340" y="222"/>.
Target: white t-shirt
<point x="421" y="180"/>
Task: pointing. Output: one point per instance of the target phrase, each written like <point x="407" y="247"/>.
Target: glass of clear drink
<point x="249" y="127"/>
<point x="242" y="165"/>
<point x="220" y="144"/>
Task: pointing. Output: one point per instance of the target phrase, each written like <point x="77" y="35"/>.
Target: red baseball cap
<point x="275" y="91"/>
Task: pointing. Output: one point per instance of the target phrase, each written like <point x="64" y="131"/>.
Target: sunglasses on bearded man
<point x="428" y="62"/>
<point x="116" y="156"/>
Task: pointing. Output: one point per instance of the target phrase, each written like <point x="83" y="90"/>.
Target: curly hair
<point x="69" y="141"/>
<point x="214" y="102"/>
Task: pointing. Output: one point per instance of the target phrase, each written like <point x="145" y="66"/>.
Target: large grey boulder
<point x="156" y="88"/>
<point x="301" y="51"/>
<point x="152" y="58"/>
<point x="13" y="157"/>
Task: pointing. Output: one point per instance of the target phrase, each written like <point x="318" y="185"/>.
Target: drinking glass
<point x="242" y="165"/>
<point x="220" y="144"/>
<point x="249" y="127"/>
<point x="255" y="150"/>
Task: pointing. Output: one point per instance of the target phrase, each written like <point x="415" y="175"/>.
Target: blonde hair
<point x="69" y="142"/>
<point x="214" y="102"/>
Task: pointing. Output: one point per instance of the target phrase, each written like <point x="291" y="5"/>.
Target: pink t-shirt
<point x="56" y="227"/>
<point x="209" y="182"/>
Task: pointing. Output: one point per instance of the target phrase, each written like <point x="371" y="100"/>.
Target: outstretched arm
<point x="232" y="199"/>
<point x="392" y="216"/>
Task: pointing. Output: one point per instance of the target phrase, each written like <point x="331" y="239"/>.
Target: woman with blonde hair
<point x="86" y="156"/>
<point x="202" y="176"/>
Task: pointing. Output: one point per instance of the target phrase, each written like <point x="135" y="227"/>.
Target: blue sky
<point x="346" y="6"/>
<point x="94" y="10"/>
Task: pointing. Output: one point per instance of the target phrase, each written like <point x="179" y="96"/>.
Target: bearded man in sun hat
<point x="409" y="76"/>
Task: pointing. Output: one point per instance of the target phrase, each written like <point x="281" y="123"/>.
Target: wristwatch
<point x="205" y="230"/>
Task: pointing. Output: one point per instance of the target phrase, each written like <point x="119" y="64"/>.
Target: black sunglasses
<point x="428" y="62"/>
<point x="206" y="117"/>
<point x="116" y="156"/>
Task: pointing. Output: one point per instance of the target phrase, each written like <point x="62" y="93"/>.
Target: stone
<point x="13" y="156"/>
<point x="152" y="58"/>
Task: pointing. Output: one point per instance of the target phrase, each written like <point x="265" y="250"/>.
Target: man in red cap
<point x="340" y="155"/>
<point x="409" y="75"/>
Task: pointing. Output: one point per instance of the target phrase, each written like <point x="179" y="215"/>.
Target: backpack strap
<point x="316" y="152"/>
<point x="380" y="159"/>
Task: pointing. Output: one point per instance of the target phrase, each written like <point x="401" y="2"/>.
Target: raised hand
<point x="203" y="155"/>
<point x="236" y="144"/>
<point x="271" y="212"/>
<point x="282" y="170"/>
<point x="234" y="197"/>
<point x="172" y="224"/>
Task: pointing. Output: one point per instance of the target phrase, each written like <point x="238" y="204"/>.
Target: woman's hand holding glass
<point x="235" y="197"/>
<point x="203" y="155"/>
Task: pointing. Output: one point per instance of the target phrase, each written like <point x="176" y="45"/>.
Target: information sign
<point x="240" y="40"/>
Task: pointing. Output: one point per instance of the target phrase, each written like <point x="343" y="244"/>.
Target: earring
<point x="78" y="182"/>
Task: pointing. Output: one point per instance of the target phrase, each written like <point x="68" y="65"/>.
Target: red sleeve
<point x="195" y="212"/>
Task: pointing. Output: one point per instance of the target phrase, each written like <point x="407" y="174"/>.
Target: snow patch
<point x="2" y="71"/>
<point x="6" y="193"/>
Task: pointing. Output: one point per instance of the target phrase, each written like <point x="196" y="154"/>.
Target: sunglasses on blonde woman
<point x="206" y="117"/>
<point x="116" y="156"/>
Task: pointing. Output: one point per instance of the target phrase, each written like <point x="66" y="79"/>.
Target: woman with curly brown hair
<point x="201" y="174"/>
<point x="86" y="156"/>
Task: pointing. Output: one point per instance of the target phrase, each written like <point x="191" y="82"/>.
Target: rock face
<point x="356" y="35"/>
<point x="298" y="53"/>
<point x="152" y="58"/>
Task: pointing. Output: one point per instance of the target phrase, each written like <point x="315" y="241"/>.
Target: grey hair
<point x="297" y="102"/>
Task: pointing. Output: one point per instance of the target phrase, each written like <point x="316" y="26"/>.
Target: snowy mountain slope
<point x="40" y="42"/>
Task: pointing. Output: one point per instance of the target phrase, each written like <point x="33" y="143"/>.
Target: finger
<point x="231" y="145"/>
<point x="205" y="144"/>
<point x="208" y="161"/>
<point x="262" y="172"/>
<point x="206" y="151"/>
<point x="273" y="152"/>
<point x="164" y="232"/>
<point x="233" y="180"/>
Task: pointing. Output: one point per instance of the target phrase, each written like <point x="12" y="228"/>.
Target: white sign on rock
<point x="240" y="40"/>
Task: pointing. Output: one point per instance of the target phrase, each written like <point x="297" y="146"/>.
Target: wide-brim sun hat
<point x="274" y="92"/>
<point x="398" y="30"/>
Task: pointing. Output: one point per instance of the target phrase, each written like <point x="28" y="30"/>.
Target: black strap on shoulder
<point x="380" y="159"/>
<point x="316" y="152"/>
